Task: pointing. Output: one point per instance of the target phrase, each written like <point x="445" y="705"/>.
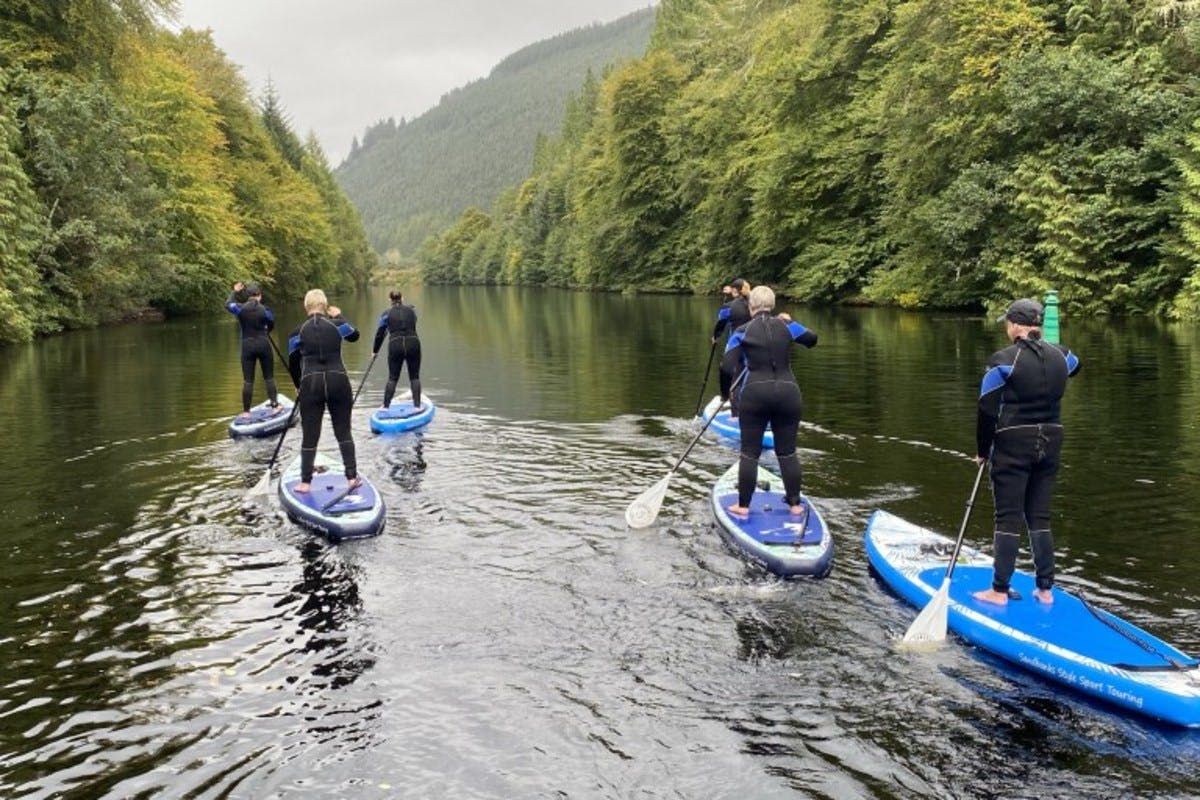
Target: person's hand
<point x="783" y="315"/>
<point x="980" y="460"/>
<point x="334" y="311"/>
<point x="238" y="286"/>
<point x="714" y="340"/>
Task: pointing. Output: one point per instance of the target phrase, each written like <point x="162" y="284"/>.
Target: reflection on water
<point x="507" y="635"/>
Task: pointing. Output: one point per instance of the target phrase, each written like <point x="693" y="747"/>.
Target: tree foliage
<point x="137" y="172"/>
<point x="924" y="153"/>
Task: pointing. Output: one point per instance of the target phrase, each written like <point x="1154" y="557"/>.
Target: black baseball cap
<point x="253" y="289"/>
<point x="737" y="283"/>
<point x="1025" y="311"/>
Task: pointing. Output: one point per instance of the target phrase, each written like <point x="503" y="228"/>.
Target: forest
<point x="139" y="175"/>
<point x="916" y="153"/>
<point x="412" y="178"/>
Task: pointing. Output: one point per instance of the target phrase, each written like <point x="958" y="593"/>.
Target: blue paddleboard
<point x="263" y="420"/>
<point x="1069" y="641"/>
<point x="402" y="415"/>
<point x="726" y="426"/>
<point x="785" y="544"/>
<point x="328" y="508"/>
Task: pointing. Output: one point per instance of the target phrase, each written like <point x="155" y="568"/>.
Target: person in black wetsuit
<point x="1019" y="433"/>
<point x="768" y="394"/>
<point x="733" y="314"/>
<point x="404" y="348"/>
<point x="315" y="363"/>
<point x="256" y="322"/>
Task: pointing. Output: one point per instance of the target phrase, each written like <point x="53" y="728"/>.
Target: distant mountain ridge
<point x="413" y="178"/>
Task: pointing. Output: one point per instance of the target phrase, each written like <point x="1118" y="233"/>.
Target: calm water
<point x="507" y="635"/>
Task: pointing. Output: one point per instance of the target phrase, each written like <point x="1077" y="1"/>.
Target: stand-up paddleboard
<point x="724" y="425"/>
<point x="402" y="415"/>
<point x="264" y="420"/>
<point x="785" y="544"/>
<point x="328" y="508"/>
<point x="1069" y="641"/>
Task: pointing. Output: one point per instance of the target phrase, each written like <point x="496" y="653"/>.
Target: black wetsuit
<point x="404" y="348"/>
<point x="733" y="315"/>
<point x="315" y="362"/>
<point x="1020" y="431"/>
<point x="257" y="322"/>
<point x="768" y="394"/>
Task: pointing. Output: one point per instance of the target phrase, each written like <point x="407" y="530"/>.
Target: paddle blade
<point x="644" y="510"/>
<point x="929" y="628"/>
<point x="263" y="486"/>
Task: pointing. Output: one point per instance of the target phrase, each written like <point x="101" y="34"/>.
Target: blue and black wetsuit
<point x="1020" y="431"/>
<point x="404" y="348"/>
<point x="315" y="363"/>
<point x="732" y="315"/>
<point x="257" y="322"/>
<point x="768" y="394"/>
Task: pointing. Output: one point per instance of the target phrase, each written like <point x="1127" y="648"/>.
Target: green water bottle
<point x="1050" y="320"/>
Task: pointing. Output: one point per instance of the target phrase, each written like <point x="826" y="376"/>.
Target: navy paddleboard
<point x="329" y="508"/>
<point x="402" y="415"/>
<point x="785" y="544"/>
<point x="263" y="420"/>
<point x="1068" y="641"/>
<point x="726" y="426"/>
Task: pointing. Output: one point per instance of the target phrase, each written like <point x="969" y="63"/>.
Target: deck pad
<point x="327" y="489"/>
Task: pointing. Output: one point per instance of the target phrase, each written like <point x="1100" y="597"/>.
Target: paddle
<point x="264" y="483"/>
<point x="929" y="627"/>
<point x="700" y="401"/>
<point x="363" y="382"/>
<point x="644" y="509"/>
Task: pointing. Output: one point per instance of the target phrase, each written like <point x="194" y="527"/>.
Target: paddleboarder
<point x="315" y="363"/>
<point x="733" y="314"/>
<point x="769" y="395"/>
<point x="1019" y="434"/>
<point x="256" y="322"/>
<point x="399" y="324"/>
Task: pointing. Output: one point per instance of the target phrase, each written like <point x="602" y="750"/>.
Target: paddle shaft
<point x="709" y="421"/>
<point x="286" y="428"/>
<point x="363" y="382"/>
<point x="708" y="369"/>
<point x="962" y="530"/>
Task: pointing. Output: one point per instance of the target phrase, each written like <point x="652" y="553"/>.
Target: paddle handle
<point x="962" y="530"/>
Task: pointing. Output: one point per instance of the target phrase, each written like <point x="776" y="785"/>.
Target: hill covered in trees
<point x="411" y="179"/>
<point x="923" y="153"/>
<point x="136" y="172"/>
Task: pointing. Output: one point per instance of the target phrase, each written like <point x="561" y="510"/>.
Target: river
<point x="507" y="635"/>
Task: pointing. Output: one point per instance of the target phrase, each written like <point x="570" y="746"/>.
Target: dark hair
<point x="395" y="295"/>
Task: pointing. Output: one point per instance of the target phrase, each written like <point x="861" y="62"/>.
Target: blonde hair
<point x="315" y="300"/>
<point x="762" y="298"/>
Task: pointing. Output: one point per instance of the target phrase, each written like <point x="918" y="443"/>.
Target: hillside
<point x="411" y="179"/>
<point x="917" y="153"/>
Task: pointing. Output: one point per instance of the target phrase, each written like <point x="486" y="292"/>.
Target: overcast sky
<point x="341" y="65"/>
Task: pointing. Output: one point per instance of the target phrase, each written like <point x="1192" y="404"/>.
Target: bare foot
<point x="992" y="596"/>
<point x="1043" y="596"/>
<point x="739" y="511"/>
<point x="353" y="483"/>
<point x="796" y="510"/>
<point x="245" y="415"/>
<point x="276" y="410"/>
<point x="302" y="488"/>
